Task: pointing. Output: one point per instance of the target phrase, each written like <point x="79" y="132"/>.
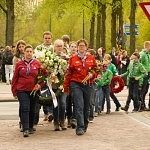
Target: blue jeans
<point x="81" y="95"/>
<point x="98" y="100"/>
<point x="134" y="92"/>
<point x="144" y="89"/>
<point x="114" y="98"/>
<point x="47" y="109"/>
<point x="27" y="105"/>
<point x="60" y="110"/>
<point x="92" y="101"/>
<point x="106" y="93"/>
<point x="70" y="107"/>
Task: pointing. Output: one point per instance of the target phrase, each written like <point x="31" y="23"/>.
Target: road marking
<point x="132" y="117"/>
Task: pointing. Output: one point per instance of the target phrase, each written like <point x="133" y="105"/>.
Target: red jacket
<point x="79" y="68"/>
<point x="25" y="76"/>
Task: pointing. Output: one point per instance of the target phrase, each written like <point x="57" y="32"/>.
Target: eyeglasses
<point x="59" y="46"/>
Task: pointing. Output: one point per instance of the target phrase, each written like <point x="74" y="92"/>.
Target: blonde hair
<point x="146" y="44"/>
<point x="58" y="41"/>
<point x="107" y="56"/>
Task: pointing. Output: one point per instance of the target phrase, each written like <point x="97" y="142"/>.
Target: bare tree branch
<point x="4" y="10"/>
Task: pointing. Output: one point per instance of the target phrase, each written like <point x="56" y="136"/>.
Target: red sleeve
<point x="15" y="79"/>
<point x="94" y="72"/>
<point x="67" y="78"/>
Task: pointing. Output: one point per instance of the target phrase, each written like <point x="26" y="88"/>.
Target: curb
<point x="8" y="100"/>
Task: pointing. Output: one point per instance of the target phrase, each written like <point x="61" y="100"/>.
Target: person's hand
<point x="61" y="87"/>
<point x="99" y="76"/>
<point x="137" y="78"/>
<point x="15" y="97"/>
<point x="123" y="62"/>
<point x="66" y="90"/>
<point x="36" y="87"/>
<point x="90" y="75"/>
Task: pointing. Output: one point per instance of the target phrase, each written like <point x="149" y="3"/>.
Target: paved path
<point x="117" y="131"/>
<point x="5" y="93"/>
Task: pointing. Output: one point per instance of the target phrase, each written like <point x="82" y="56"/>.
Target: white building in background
<point x="34" y="3"/>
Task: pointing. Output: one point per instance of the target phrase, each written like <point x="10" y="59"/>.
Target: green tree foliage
<point x="66" y="17"/>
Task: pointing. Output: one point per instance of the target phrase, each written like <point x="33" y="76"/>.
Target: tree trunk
<point x="98" y="38"/>
<point x="10" y="20"/>
<point x="113" y="26"/>
<point x="121" y="34"/>
<point x="103" y="27"/>
<point x="132" y="26"/>
<point x="92" y="30"/>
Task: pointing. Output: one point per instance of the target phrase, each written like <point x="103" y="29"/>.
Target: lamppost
<point x="83" y="24"/>
<point x="50" y="22"/>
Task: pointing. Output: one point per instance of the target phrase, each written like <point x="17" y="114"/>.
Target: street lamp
<point x="83" y="24"/>
<point x="50" y="22"/>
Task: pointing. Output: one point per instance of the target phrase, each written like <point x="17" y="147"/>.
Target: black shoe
<point x="63" y="125"/>
<point x="26" y="133"/>
<point x="85" y="128"/>
<point x="31" y="131"/>
<point x="34" y="129"/>
<point x="117" y="108"/>
<point x="69" y="123"/>
<point x="50" y="118"/>
<point x="56" y="126"/>
<point x="124" y="108"/>
<point x="108" y="111"/>
<point x="134" y="110"/>
<point x="91" y="119"/>
<point x="73" y="123"/>
<point x="79" y="132"/>
<point x="147" y="109"/>
<point x="140" y="106"/>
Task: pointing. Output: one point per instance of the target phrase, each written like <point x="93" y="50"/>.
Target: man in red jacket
<point x="78" y="80"/>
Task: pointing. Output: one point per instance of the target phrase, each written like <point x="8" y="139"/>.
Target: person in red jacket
<point x="78" y="80"/>
<point x="23" y="82"/>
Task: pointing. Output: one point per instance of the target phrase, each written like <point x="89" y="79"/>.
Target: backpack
<point x="8" y="57"/>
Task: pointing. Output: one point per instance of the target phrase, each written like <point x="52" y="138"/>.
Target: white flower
<point x="53" y="63"/>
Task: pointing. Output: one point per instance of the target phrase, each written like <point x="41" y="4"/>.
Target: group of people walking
<point x="85" y="86"/>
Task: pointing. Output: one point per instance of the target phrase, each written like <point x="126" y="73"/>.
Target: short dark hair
<point x="82" y="41"/>
<point x="66" y="38"/>
<point x="28" y="46"/>
<point x="136" y="54"/>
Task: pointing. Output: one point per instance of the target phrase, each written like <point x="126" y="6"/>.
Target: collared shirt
<point x="105" y="78"/>
<point x="135" y="69"/>
<point x="145" y="59"/>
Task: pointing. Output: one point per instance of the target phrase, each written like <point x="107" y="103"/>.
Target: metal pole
<point x="50" y="23"/>
<point x="83" y="24"/>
